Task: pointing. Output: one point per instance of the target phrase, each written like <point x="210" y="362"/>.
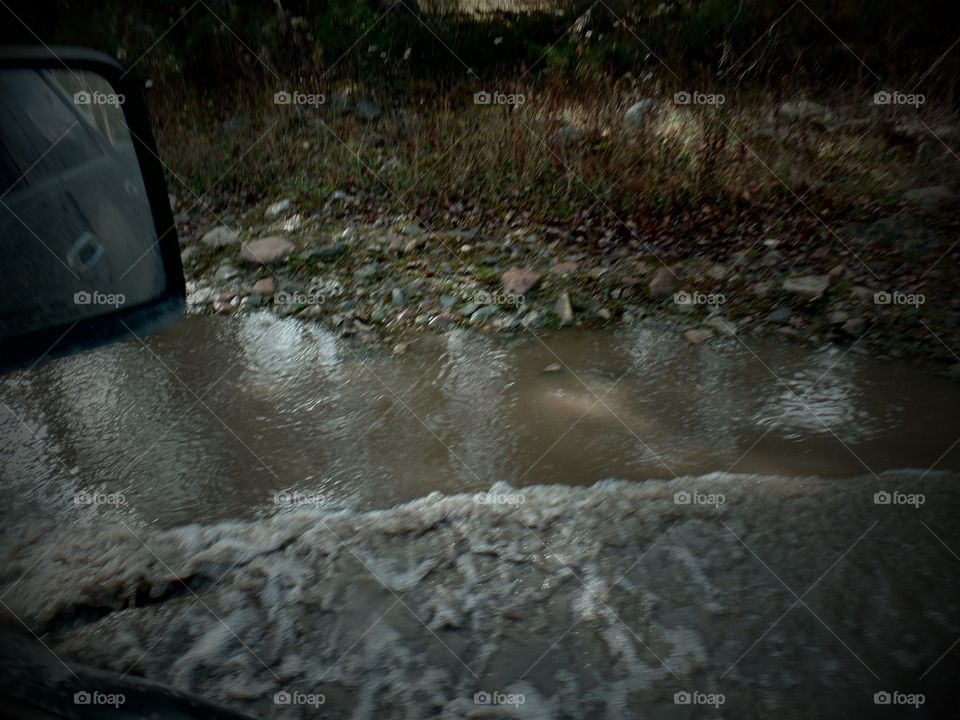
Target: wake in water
<point x="717" y="596"/>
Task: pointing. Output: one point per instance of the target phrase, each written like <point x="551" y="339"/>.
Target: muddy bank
<point x="764" y="596"/>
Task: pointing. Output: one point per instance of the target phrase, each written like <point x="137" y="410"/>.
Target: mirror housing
<point x="88" y="251"/>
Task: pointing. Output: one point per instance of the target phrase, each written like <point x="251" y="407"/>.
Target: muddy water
<point x="228" y="419"/>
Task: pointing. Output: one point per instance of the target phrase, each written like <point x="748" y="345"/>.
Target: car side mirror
<point x="88" y="249"/>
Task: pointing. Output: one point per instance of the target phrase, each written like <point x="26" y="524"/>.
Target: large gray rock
<point x="567" y="135"/>
<point x="266" y="250"/>
<point x="277" y="210"/>
<point x="517" y="281"/>
<point x="930" y="198"/>
<point x="220" y="236"/>
<point x="637" y="113"/>
<point x="808" y="287"/>
<point x="367" y="110"/>
<point x="901" y="232"/>
<point x="663" y="283"/>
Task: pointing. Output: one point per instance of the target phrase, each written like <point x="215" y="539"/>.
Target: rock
<point x="277" y="209"/>
<point x="779" y="316"/>
<point x="266" y="251"/>
<point x="328" y="251"/>
<point x="663" y="283"/>
<point x="929" y="198"/>
<point x="532" y="320"/>
<point x="483" y="313"/>
<point x="604" y="314"/>
<point x="250" y="302"/>
<point x="861" y="293"/>
<point x="186" y="255"/>
<point x="553" y="368"/>
<point x="264" y="287"/>
<point x="400" y="348"/>
<point x="564" y="268"/>
<point x="802" y="111"/>
<point x="469" y="309"/>
<point x="518" y="282"/>
<point x="398" y="297"/>
<point x="721" y="325"/>
<point x="761" y="289"/>
<point x="563" y="309"/>
<point x="838" y="317"/>
<point x="901" y="232"/>
<point x="368" y="271"/>
<point x="854" y="326"/>
<point x="340" y="197"/>
<point x="225" y="306"/>
<point x="172" y="201"/>
<point x="225" y="272"/>
<point x="220" y="236"/>
<point x="411" y="229"/>
<point x="637" y="113"/>
<point x="448" y="302"/>
<point x="443" y="320"/>
<point x="412" y="245"/>
<point x="367" y="110"/>
<point x="567" y="135"/>
<point x="697" y="336"/>
<point x="808" y="287"/>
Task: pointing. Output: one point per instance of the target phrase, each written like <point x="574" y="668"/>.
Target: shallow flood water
<point x="220" y="419"/>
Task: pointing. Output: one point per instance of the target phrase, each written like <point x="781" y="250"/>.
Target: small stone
<point x="328" y="251"/>
<point x="398" y="297"/>
<point x="636" y="114"/>
<point x="604" y="314"/>
<point x="266" y="250"/>
<point x="929" y="198"/>
<point x="483" y="313"/>
<point x="250" y="302"/>
<point x="761" y="289"/>
<point x="186" y="255"/>
<point x="567" y="135"/>
<point x="563" y="309"/>
<point x="411" y="229"/>
<point x="854" y="326"/>
<point x="779" y="316"/>
<point x="412" y="245"/>
<point x="553" y="368"/>
<point x="400" y="348"/>
<point x="220" y="236"/>
<point x="225" y="272"/>
<point x="443" y="320"/>
<point x="518" y="282"/>
<point x="838" y="317"/>
<point x="367" y="110"/>
<point x="663" y="283"/>
<point x="277" y="209"/>
<point x="469" y="309"/>
<point x="809" y="287"/>
<point x="697" y="336"/>
<point x="564" y="268"/>
<point x="263" y="287"/>
<point x="447" y="302"/>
